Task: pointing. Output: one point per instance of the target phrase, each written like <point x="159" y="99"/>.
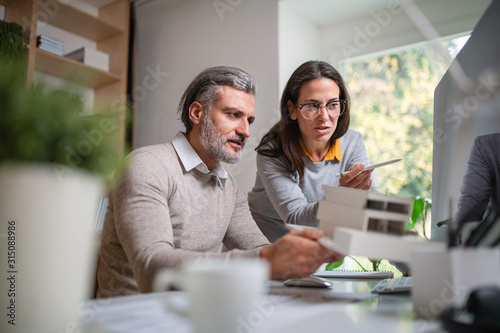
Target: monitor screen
<point x="466" y="106"/>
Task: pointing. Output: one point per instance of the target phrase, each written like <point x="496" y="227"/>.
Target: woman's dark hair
<point x="284" y="137"/>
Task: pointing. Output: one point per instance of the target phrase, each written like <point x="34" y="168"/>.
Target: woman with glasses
<point x="308" y="147"/>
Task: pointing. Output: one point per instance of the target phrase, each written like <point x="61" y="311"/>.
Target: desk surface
<point x="284" y="309"/>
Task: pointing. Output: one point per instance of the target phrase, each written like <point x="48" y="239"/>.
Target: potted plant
<point x="52" y="170"/>
<point x="13" y="42"/>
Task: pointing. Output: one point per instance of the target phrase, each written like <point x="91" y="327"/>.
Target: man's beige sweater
<point x="159" y="216"/>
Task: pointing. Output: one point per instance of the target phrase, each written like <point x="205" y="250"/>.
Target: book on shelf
<point x="49" y="40"/>
<point x="90" y="57"/>
<point x="50" y="44"/>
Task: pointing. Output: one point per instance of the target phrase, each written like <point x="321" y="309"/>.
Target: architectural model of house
<point x="367" y="223"/>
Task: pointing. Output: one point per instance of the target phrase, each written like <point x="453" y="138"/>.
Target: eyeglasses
<point x="311" y="110"/>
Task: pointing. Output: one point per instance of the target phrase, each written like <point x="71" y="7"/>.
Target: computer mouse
<point x="310" y="281"/>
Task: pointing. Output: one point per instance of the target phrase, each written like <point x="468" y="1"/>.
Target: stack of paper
<point x="50" y="44"/>
<point x="91" y="57"/>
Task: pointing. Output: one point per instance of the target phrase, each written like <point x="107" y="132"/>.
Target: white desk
<point x="284" y="309"/>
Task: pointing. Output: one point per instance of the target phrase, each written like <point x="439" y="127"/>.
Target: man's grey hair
<point x="205" y="88"/>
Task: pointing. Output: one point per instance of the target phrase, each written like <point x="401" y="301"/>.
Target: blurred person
<point x="481" y="182"/>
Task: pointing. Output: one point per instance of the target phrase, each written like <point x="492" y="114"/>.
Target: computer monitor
<point x="466" y="105"/>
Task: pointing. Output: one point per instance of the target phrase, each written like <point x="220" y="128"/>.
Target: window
<point x="392" y="106"/>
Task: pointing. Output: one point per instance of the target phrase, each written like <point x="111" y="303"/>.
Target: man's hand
<point x="297" y="254"/>
<point x="354" y="179"/>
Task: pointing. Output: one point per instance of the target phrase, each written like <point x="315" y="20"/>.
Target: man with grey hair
<point x="175" y="202"/>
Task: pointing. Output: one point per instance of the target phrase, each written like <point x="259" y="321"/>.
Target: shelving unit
<point x="66" y="67"/>
<point x="109" y="30"/>
<point x="81" y="23"/>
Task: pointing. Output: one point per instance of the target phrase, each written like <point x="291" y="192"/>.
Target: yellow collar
<point x="332" y="154"/>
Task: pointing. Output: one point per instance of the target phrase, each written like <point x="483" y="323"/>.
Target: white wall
<point x="177" y="40"/>
<point x="298" y="40"/>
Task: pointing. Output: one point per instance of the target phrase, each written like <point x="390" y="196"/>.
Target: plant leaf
<point x="333" y="265"/>
<point x="375" y="264"/>
<point x="444" y="222"/>
<point x="418" y="208"/>
<point x="359" y="264"/>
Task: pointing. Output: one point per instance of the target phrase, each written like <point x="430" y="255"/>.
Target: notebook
<point x="348" y="274"/>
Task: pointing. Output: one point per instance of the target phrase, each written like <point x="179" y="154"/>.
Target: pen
<point x="373" y="166"/>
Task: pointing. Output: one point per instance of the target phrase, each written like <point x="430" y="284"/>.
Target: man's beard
<point x="215" y="144"/>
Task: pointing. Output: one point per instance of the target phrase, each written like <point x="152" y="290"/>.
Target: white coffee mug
<point x="223" y="294"/>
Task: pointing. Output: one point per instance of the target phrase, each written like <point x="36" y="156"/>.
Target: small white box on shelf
<point x="90" y="57"/>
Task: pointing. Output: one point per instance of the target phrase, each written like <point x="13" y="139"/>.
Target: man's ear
<point x="292" y="110"/>
<point x="196" y="112"/>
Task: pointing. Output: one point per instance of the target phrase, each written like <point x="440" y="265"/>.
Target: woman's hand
<point x="354" y="178"/>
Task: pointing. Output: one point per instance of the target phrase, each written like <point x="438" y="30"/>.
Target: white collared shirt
<point x="191" y="160"/>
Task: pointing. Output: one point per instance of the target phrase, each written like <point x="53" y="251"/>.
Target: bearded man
<point x="175" y="202"/>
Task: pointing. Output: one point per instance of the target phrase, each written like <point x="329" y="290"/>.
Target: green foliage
<point x="13" y="48"/>
<point x="13" y="44"/>
<point x="375" y="264"/>
<point x="418" y="208"/>
<point x="419" y="218"/>
<point x="362" y="262"/>
<point x="444" y="222"/>
<point x="333" y="265"/>
<point x="43" y="126"/>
